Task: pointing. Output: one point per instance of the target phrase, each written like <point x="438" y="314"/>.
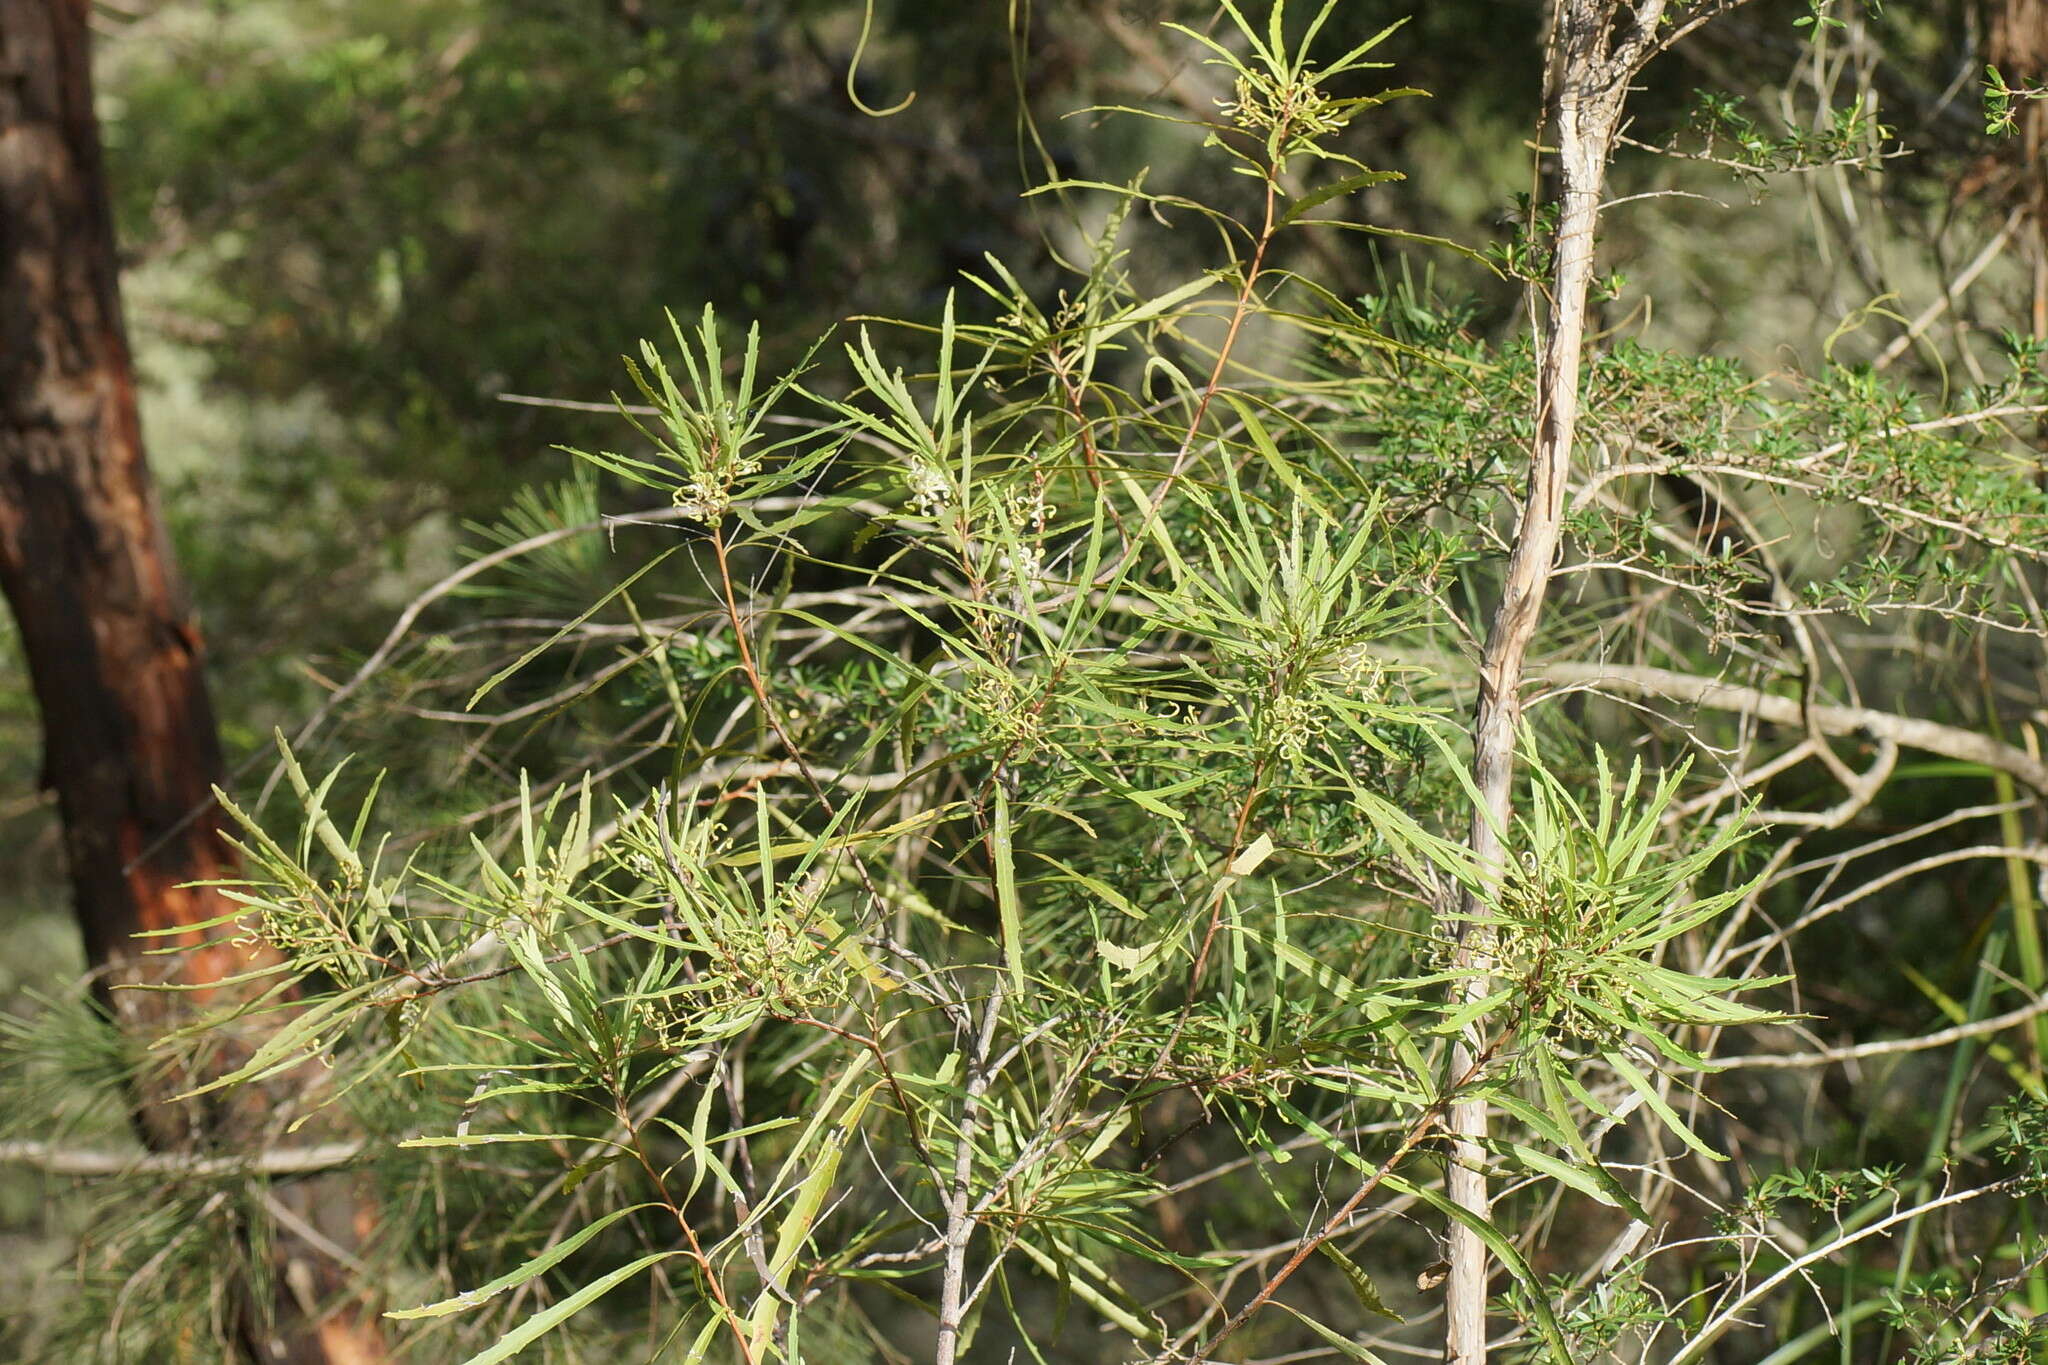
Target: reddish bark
<point x="113" y="650"/>
<point x="130" y="746"/>
<point x="2018" y="46"/>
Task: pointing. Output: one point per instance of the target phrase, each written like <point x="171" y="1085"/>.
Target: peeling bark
<point x="1595" y="59"/>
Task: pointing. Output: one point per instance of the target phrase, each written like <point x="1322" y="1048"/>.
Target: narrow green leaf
<point x="1647" y="1088"/>
<point x="540" y="1324"/>
<point x="1505" y="1251"/>
<point x="1360" y="1282"/>
<point x="512" y="1279"/>
<point x="1004" y="855"/>
<point x="1350" y="184"/>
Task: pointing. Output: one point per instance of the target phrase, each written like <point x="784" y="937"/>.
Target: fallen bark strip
<point x="1928" y="736"/>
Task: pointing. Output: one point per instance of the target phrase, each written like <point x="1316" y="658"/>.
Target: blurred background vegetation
<point x="353" y="227"/>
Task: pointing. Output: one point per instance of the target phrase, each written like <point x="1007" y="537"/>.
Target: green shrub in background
<point x="1032" y="916"/>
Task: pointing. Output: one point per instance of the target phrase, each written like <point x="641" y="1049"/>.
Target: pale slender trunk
<point x="1591" y="77"/>
<point x="955" y="1300"/>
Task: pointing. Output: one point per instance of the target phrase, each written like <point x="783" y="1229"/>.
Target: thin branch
<point x="1951" y="292"/>
<point x="953" y="1298"/>
<point x="1890" y="878"/>
<point x="1910" y="732"/>
<point x="1889" y="1046"/>
<point x="1696" y="1348"/>
<point x="57" y="1159"/>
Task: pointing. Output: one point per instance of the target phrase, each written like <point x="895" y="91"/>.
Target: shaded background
<point x="350" y="227"/>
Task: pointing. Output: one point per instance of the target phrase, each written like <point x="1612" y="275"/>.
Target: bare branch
<point x="1908" y="731"/>
<point x="57" y="1159"/>
<point x="1786" y="1061"/>
<point x="1731" y="1315"/>
<point x="953" y="1298"/>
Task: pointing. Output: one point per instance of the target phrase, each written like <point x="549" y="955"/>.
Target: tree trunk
<point x="114" y="654"/>
<point x="1595" y="56"/>
<point x="2018" y="46"/>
